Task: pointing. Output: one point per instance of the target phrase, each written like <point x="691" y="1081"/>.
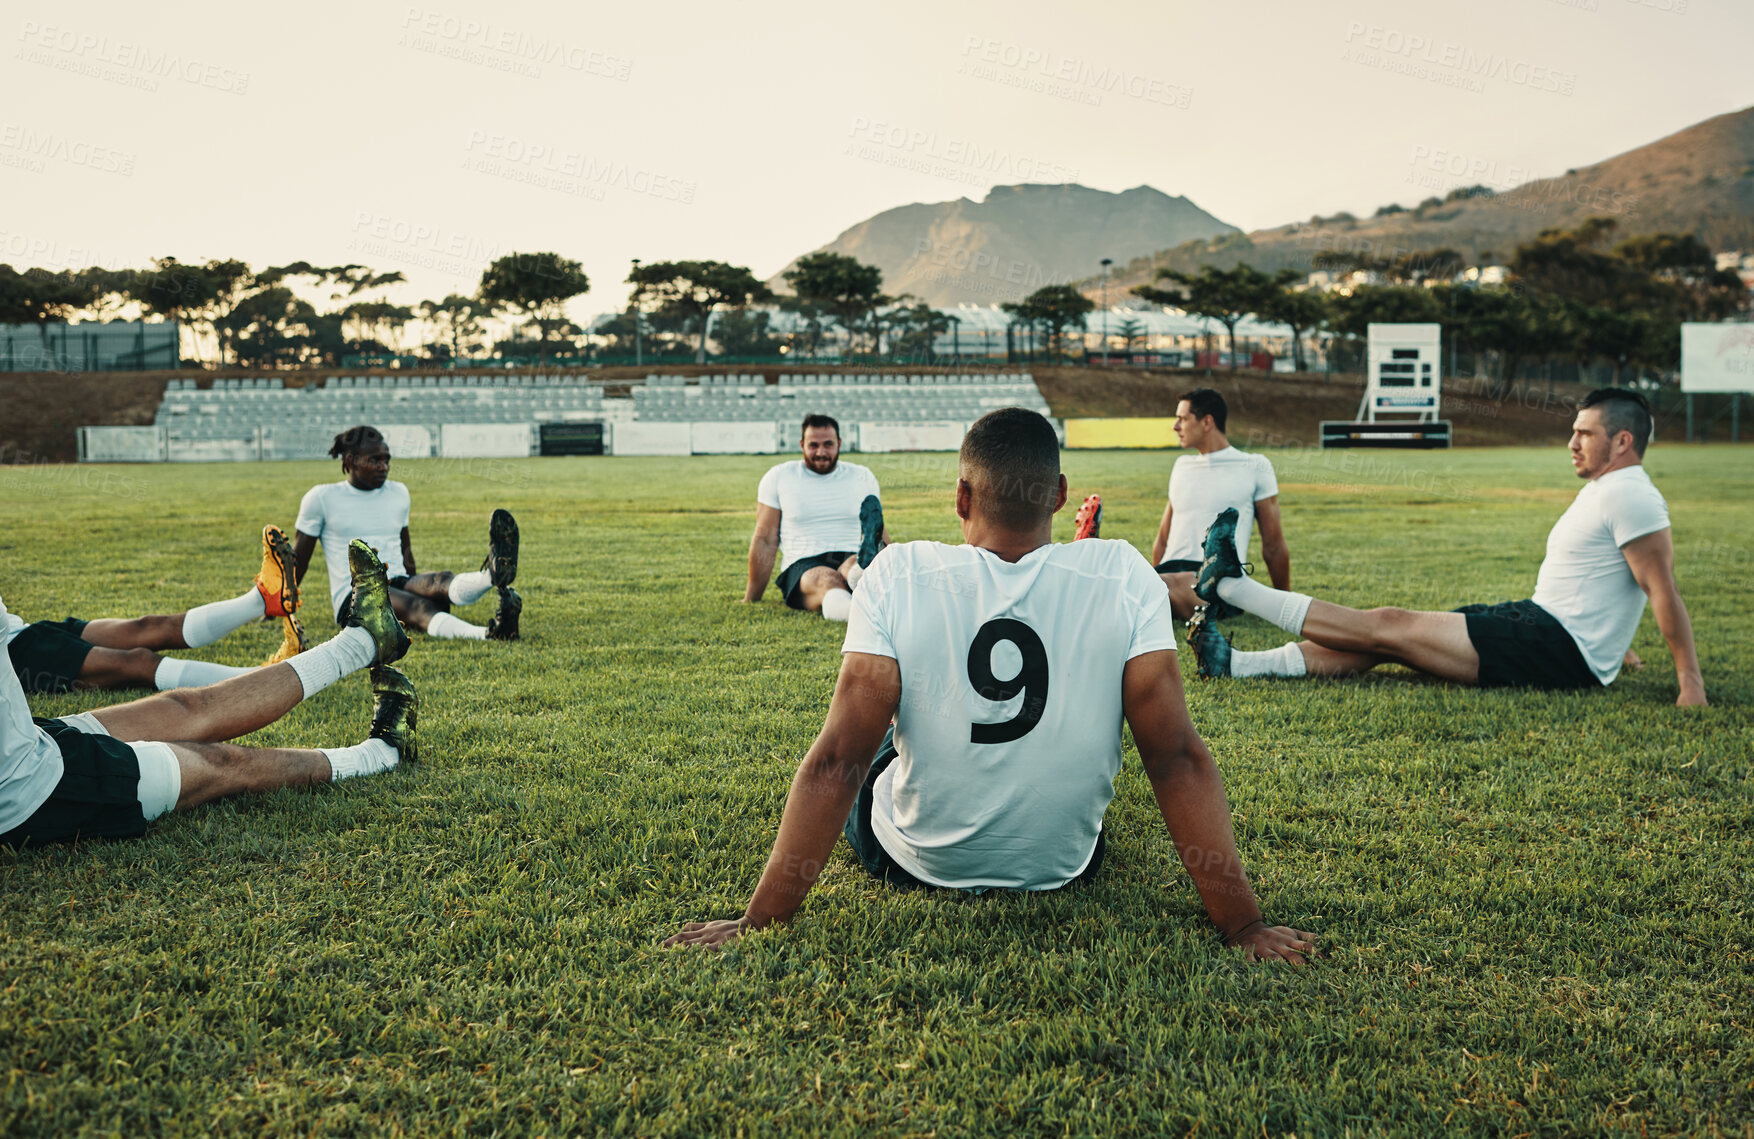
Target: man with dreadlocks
<point x="368" y="505"/>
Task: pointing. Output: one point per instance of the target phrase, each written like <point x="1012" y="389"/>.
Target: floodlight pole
<point x="1106" y="262"/>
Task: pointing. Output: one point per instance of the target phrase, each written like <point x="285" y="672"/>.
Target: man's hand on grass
<point x="708" y="934"/>
<point x="1276" y="943"/>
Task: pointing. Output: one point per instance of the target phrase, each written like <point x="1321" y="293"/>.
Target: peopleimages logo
<point x="1394" y="50"/>
<point x="930" y="152"/>
<point x="122" y="61"/>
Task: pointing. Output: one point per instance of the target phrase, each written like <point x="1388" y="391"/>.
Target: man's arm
<point x="303" y="546"/>
<point x="1190" y="795"/>
<point x="828" y="781"/>
<point x="1652" y="559"/>
<point x="1161" y="544"/>
<point x="408" y="553"/>
<point x="1274" y="551"/>
<point x="762" y="548"/>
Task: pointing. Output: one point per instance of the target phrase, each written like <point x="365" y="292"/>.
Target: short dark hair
<point x="819" y="421"/>
<point x="354" y="440"/>
<point x="1203" y="402"/>
<point x="1622" y="410"/>
<point x="1011" y="460"/>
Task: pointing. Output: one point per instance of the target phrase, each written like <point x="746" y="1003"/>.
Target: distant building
<point x="94" y="346"/>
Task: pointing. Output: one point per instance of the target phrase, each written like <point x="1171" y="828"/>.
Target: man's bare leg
<point x="1182" y="601"/>
<point x="1436" y="643"/>
<point x="220" y="711"/>
<point x="161" y="631"/>
<point x="1319" y="661"/>
<point x="219" y="770"/>
<point x="826" y="591"/>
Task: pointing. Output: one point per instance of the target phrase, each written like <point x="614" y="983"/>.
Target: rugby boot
<point x="1220" y="562"/>
<point x="1211" y="647"/>
<point x="292" y="640"/>
<point x="870" y="530"/>
<point x="502" y="549"/>
<point x="504" y="624"/>
<point x="1088" y="521"/>
<point x="369" y="604"/>
<point x="278" y="581"/>
<point x="396" y="708"/>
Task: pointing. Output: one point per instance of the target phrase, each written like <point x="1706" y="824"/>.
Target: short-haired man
<point x="110" y="772"/>
<point x="1215" y="478"/>
<point x="1006" y="665"/>
<point x="1609" y="551"/>
<point x="368" y="504"/>
<point x="827" y="517"/>
<point x="123" y="652"/>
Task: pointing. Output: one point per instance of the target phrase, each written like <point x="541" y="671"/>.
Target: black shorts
<point x="48" y="655"/>
<point x="98" y="795"/>
<point x="1177" y="565"/>
<point x="794" y="573"/>
<point x="443" y="603"/>
<point x="1521" y="645"/>
<point x="863" y="839"/>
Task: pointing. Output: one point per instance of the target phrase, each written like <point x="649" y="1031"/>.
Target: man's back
<point x="1008" y="734"/>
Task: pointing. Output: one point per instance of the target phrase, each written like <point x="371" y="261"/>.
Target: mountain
<point x="1699" y="180"/>
<point x="1016" y="240"/>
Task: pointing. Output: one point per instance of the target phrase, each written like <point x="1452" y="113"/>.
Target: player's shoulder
<point x="1100" y="554"/>
<point x="400" y="489"/>
<point x="782" y="470"/>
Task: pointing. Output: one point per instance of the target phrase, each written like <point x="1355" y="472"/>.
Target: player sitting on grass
<point x="1607" y="553"/>
<point x="1218" y="477"/>
<point x="107" y="773"/>
<point x="826" y="515"/>
<point x="1006" y="664"/>
<point x="367" y="505"/>
<point x="113" y="652"/>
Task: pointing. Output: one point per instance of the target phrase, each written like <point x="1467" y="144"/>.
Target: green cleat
<point x="504" y="625"/>
<point x="502" y="548"/>
<point x="1220" y="562"/>
<point x="395" y="713"/>
<point x="870" y="530"/>
<point x="1211" y="648"/>
<point x="369" y="605"/>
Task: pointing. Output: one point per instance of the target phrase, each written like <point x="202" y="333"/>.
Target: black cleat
<point x="504" y="625"/>
<point x="1211" y="647"/>
<point x="502" y="548"/>
<point x="368" y="606"/>
<point x="1220" y="562"/>
<point x="870" y="530"/>
<point x="395" y="713"/>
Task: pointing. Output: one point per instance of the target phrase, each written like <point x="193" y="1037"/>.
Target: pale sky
<point x="431" y="137"/>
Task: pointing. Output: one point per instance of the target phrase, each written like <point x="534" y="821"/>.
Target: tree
<point x="1225" y="295"/>
<point x="916" y="329"/>
<point x="1381" y="304"/>
<point x="837" y="285"/>
<point x="744" y="332"/>
<point x="42" y="297"/>
<point x="382" y="319"/>
<point x="1301" y="310"/>
<point x="269" y="327"/>
<point x="696" y="288"/>
<point x="1055" y="308"/>
<point x="457" y="322"/>
<point x="535" y="286"/>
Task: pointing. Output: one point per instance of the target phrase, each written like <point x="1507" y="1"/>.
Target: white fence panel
<point x="121" y="444"/>
<point x="636" y="438"/>
<point x="408" y="441"/>
<point x="484" y="441"/>
<point x="929" y="436"/>
<point x="742" y="438"/>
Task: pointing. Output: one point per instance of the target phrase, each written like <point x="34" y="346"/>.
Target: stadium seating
<point x="300" y="423"/>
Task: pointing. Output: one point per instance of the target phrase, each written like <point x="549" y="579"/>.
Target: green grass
<point x="1537" y="906"/>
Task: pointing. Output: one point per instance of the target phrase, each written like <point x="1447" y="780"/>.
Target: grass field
<point x="1536" y="907"/>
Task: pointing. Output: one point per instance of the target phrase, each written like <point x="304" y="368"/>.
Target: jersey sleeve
<point x="1634" y="516"/>
<point x="768" y="491"/>
<point x="310" y="513"/>
<point x="868" y="625"/>
<point x="1266" y="482"/>
<point x="1153" y="622"/>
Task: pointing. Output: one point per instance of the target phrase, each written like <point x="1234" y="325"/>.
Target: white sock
<point x="1285" y="609"/>
<point x="347" y="651"/>
<point x="205" y="624"/>
<point x="369" y="758"/>
<point x="1286" y="660"/>
<point x="174" y="673"/>
<point x="467" y="588"/>
<point x="837" y="605"/>
<point x="450" y="625"/>
<point x="853" y="575"/>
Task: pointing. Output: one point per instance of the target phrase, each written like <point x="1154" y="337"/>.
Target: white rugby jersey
<point x="819" y="514"/>
<point x="1202" y="486"/>
<point x="338" y="512"/>
<point x="1008" y="737"/>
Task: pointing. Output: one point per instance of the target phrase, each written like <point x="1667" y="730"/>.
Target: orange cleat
<point x="1088" y="523"/>
<point x="292" y="641"/>
<point x="278" y="581"/>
